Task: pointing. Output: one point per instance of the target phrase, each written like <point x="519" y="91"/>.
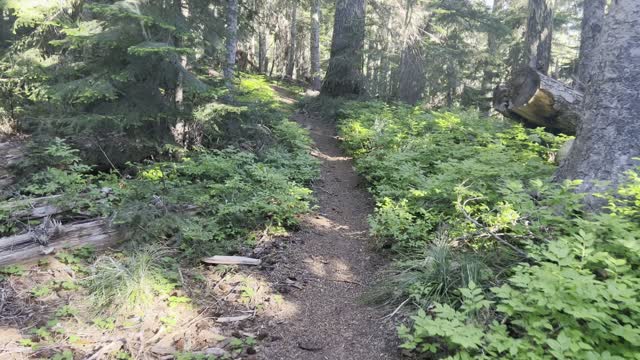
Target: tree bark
<point x="412" y="77"/>
<point x="592" y="21"/>
<point x="262" y="50"/>
<point x="489" y="73"/>
<point x="182" y="14"/>
<point x="291" y="59"/>
<point x="539" y="100"/>
<point x="316" y="13"/>
<point x="607" y="140"/>
<point x="232" y="41"/>
<point x="538" y="35"/>
<point x="344" y="75"/>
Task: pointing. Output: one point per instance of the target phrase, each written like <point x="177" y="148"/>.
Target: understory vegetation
<point x="500" y="261"/>
<point x="169" y="211"/>
<point x="139" y="139"/>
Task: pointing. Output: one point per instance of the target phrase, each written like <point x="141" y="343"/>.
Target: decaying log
<point x="38" y="208"/>
<point x="97" y="233"/>
<point x="32" y="209"/>
<point x="539" y="100"/>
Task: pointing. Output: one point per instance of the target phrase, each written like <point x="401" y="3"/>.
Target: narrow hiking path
<point x="332" y="255"/>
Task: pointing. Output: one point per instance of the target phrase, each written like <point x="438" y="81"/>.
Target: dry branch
<point x="231" y="260"/>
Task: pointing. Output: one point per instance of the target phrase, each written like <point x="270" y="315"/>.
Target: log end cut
<point x="539" y="101"/>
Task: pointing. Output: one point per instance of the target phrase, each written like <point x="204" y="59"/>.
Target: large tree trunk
<point x="232" y="41"/>
<point x="412" y="77"/>
<point x="607" y="140"/>
<point x="316" y="13"/>
<point x="539" y="100"/>
<point x="344" y="75"/>
<point x="291" y="60"/>
<point x="538" y="35"/>
<point x="262" y="50"/>
<point x="592" y="21"/>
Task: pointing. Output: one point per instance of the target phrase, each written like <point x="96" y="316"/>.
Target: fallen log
<point x="32" y="209"/>
<point x="38" y="208"/>
<point x="539" y="101"/>
<point x="97" y="233"/>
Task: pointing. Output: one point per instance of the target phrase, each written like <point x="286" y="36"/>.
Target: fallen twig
<point x="228" y="319"/>
<point x="493" y="235"/>
<point x="231" y="260"/>
<point x="396" y="310"/>
<point x="347" y="281"/>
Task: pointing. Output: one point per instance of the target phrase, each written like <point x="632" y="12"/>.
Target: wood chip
<point x="229" y="319"/>
<point x="231" y="260"/>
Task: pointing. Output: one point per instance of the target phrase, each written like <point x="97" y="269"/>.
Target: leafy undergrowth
<point x="239" y="177"/>
<point x="500" y="261"/>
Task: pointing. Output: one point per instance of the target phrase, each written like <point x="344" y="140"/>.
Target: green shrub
<point x="577" y="298"/>
<point x="502" y="262"/>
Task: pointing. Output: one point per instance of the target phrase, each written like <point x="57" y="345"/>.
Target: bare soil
<point x="330" y="264"/>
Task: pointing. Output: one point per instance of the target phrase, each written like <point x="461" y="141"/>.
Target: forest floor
<point x="305" y="301"/>
<point x="332" y="256"/>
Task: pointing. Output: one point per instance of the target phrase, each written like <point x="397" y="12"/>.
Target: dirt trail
<point x="332" y="256"/>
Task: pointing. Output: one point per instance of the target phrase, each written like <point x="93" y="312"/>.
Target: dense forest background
<point x="498" y="139"/>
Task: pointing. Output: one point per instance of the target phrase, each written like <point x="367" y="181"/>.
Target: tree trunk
<point x="592" y="21"/>
<point x="538" y="35"/>
<point x="262" y="50"/>
<point x="607" y="139"/>
<point x="539" y="100"/>
<point x="489" y="72"/>
<point x="232" y="41"/>
<point x="182" y="13"/>
<point x="316" y="13"/>
<point x="291" y="60"/>
<point x="412" y="78"/>
<point x="452" y="82"/>
<point x="344" y="75"/>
